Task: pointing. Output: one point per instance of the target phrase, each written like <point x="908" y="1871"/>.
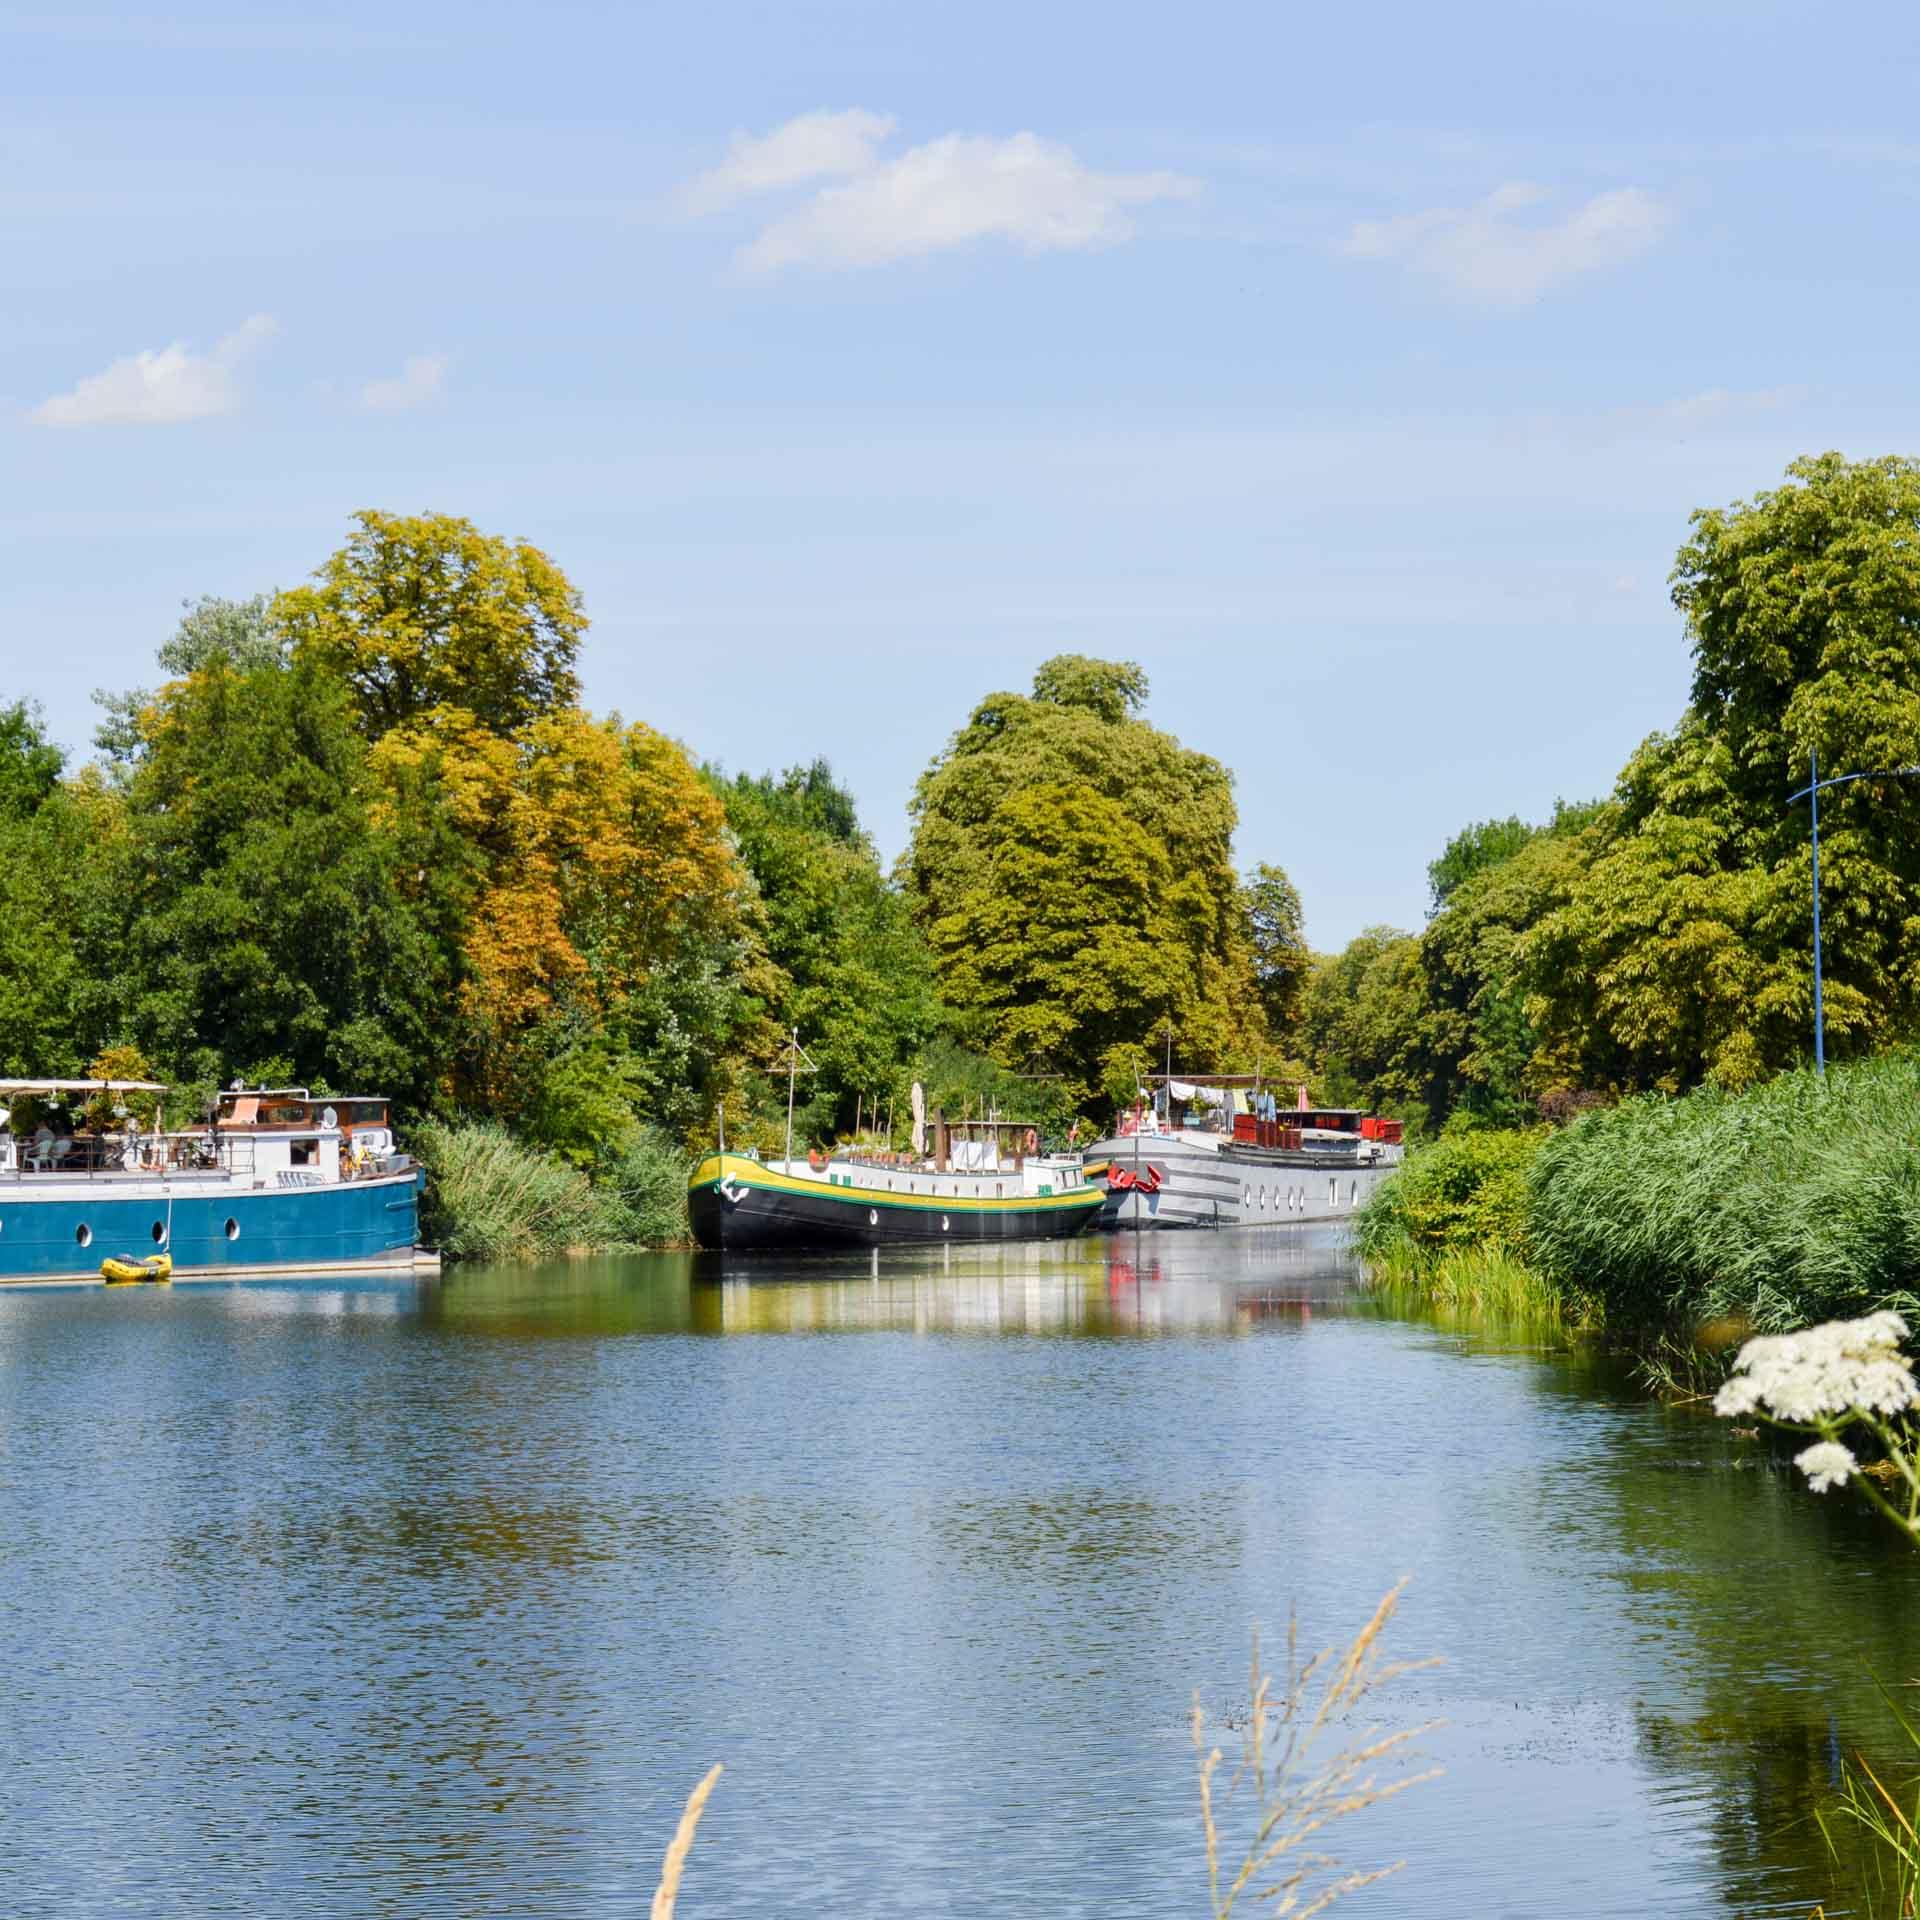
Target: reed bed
<point x="643" y="1192"/>
<point x="1481" y="1284"/>
<point x="1449" y="1231"/>
<point x="492" y="1197"/>
<point x="1791" y="1203"/>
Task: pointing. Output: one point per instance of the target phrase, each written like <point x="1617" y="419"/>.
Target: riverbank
<point x="492" y="1197"/>
<point x="1792" y="1202"/>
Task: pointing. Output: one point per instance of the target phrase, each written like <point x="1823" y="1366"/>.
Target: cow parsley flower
<point x="1826" y="1464"/>
<point x="1841" y="1367"/>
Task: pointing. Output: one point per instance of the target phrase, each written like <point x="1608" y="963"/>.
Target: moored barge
<point x="1213" y="1151"/>
<point x="278" y="1182"/>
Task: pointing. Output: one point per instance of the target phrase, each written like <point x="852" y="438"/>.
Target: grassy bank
<point x="492" y="1197"/>
<point x="1787" y="1204"/>
<point x="1450" y="1230"/>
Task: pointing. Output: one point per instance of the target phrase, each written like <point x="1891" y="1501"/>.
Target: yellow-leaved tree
<point x="608" y="930"/>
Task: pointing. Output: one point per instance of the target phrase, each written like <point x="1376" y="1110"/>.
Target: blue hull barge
<point x="278" y="1182"/>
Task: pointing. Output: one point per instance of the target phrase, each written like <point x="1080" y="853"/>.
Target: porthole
<point x="1263" y="1199"/>
<point x="873" y="1216"/>
<point x="233" y="1229"/>
<point x="83" y="1234"/>
<point x="945" y="1223"/>
<point x="159" y="1233"/>
<point x="1353" y="1193"/>
<point x="1246" y="1198"/>
<point x="1333" y="1193"/>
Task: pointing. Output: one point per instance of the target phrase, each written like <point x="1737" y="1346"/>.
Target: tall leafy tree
<point x="1472" y="851"/>
<point x="1072" y="869"/>
<point x="1685" y="950"/>
<point x="30" y="763"/>
<point x="424" y="611"/>
<point x="1484" y="1053"/>
<point x="244" y="634"/>
<point x="269" y="912"/>
<point x="608" y="961"/>
<point x="854" y="975"/>
<point x="1365" y="1023"/>
<point x="1282" y="961"/>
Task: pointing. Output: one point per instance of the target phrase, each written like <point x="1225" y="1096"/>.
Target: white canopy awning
<point x="81" y="1086"/>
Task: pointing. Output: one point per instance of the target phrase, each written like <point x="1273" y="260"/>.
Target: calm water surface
<point x="434" y="1601"/>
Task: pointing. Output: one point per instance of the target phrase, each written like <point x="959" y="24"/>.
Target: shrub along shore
<point x="492" y="1197"/>
<point x="1789" y="1203"/>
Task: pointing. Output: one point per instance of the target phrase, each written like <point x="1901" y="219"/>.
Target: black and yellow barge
<point x="738" y="1203"/>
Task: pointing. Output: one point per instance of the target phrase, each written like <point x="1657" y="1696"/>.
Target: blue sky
<point x="1355" y="370"/>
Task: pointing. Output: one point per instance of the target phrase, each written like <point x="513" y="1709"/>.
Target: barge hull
<point x="214" y="1229"/>
<point x="741" y="1211"/>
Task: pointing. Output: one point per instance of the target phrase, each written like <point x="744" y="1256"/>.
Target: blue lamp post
<point x="1812" y="791"/>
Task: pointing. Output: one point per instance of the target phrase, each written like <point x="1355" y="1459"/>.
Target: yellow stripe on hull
<point x="754" y="1173"/>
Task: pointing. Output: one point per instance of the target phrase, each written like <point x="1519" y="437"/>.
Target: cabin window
<point x="232" y="1228"/>
<point x="84" y="1234"/>
<point x="300" y="1153"/>
<point x="1246" y="1198"/>
<point x="873" y="1216"/>
<point x="945" y="1223"/>
<point x="159" y="1233"/>
<point x="1353" y="1193"/>
<point x="1333" y="1193"/>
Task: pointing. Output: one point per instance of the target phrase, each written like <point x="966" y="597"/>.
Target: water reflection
<point x="431" y="1601"/>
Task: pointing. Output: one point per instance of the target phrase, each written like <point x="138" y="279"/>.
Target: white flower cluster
<point x="1826" y="1464"/>
<point x="1844" y="1366"/>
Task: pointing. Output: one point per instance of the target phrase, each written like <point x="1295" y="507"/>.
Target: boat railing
<point x="89" y="1156"/>
<point x="202" y="1152"/>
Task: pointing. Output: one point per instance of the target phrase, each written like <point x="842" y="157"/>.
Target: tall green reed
<point x="1791" y="1202"/>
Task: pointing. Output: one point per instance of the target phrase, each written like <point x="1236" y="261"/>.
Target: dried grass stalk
<point x="1306" y="1761"/>
<point x="675" y="1863"/>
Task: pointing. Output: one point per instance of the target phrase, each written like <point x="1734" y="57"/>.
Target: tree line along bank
<point x="365" y="834"/>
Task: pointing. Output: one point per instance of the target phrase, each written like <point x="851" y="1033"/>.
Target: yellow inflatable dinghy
<point x="125" y="1273"/>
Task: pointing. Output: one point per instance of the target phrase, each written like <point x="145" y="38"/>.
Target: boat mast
<point x="796" y="1053"/>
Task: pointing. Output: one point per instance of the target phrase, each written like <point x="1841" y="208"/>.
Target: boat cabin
<point x="279" y="1134"/>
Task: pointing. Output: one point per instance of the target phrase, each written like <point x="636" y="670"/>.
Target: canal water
<point x="397" y="1600"/>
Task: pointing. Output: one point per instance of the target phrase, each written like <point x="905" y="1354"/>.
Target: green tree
<point x="854" y="974"/>
<point x="242" y="633"/>
<point x="1471" y="851"/>
<point x="1364" y="1027"/>
<point x="65" y="931"/>
<point x="1483" y="1051"/>
<point x="30" y="763"/>
<point x="1685" y="949"/>
<point x="1072" y="868"/>
<point x="268" y="910"/>
<point x="1282" y="960"/>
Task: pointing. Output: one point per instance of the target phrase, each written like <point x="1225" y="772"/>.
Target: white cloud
<point x="1718" y="404"/>
<point x="161" y="386"/>
<point x="956" y="190"/>
<point x="812" y="146"/>
<point x="1488" y="253"/>
<point x="418" y="382"/>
